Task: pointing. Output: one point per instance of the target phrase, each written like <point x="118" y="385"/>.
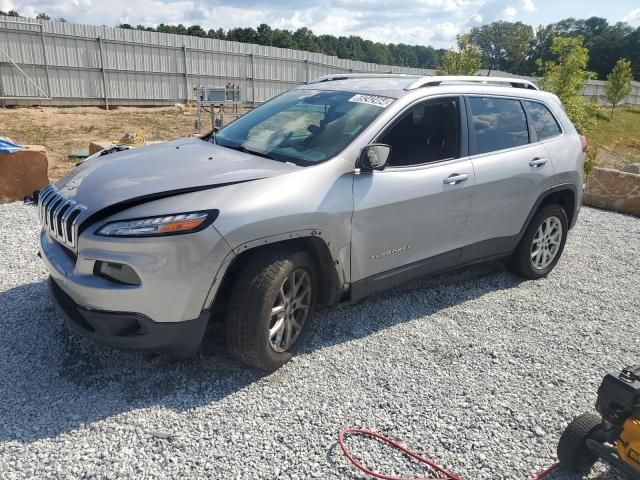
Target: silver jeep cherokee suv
<point x="339" y="188"/>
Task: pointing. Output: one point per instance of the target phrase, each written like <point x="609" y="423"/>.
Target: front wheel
<point x="271" y="308"/>
<point x="542" y="243"/>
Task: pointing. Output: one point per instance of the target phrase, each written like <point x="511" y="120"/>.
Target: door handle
<point x="537" y="162"/>
<point x="456" y="178"/>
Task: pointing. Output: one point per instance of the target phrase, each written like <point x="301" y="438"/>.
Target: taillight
<point x="584" y="142"/>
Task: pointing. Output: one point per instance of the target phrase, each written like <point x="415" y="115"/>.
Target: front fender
<point x="332" y="260"/>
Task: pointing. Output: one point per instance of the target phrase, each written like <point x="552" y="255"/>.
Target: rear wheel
<point x="542" y="243"/>
<point x="573" y="453"/>
<point x="271" y="308"/>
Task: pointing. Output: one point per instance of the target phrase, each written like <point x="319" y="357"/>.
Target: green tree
<point x="566" y="75"/>
<point x="618" y="84"/>
<point x="605" y="42"/>
<point x="504" y="46"/>
<point x="304" y="39"/>
<point x="218" y="34"/>
<point x="196" y="31"/>
<point x="282" y="38"/>
<point x="43" y="16"/>
<point x="265" y="34"/>
<point x="466" y="61"/>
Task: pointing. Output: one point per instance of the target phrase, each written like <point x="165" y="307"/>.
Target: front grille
<point x="60" y="216"/>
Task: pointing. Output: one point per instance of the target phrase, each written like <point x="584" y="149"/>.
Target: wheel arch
<point x="312" y="243"/>
<point x="563" y="195"/>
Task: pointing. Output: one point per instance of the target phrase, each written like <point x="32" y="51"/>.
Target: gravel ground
<point x="476" y="369"/>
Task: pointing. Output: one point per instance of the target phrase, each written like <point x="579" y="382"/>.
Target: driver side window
<point x="428" y="132"/>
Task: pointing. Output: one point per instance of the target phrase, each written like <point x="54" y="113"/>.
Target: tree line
<point x="349" y="47"/>
<point x="508" y="46"/>
<point x="517" y="48"/>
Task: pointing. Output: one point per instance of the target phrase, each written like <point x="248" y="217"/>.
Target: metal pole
<point x="186" y="75"/>
<point x="253" y="80"/>
<point x="46" y="62"/>
<point x="29" y="79"/>
<point x="104" y="76"/>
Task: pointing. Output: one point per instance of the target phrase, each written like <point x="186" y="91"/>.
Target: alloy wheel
<point x="546" y="243"/>
<point x="290" y="310"/>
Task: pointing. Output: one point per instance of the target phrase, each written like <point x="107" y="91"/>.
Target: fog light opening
<point x="116" y="272"/>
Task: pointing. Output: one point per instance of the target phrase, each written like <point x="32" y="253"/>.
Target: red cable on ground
<point x="546" y="472"/>
<point x="412" y="454"/>
<point x="362" y="468"/>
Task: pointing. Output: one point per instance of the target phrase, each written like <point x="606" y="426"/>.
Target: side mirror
<point x="374" y="157"/>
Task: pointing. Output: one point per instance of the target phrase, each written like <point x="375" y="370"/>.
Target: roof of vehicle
<point x="398" y="85"/>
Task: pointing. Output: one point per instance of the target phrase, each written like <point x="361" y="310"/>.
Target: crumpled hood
<point x="183" y="164"/>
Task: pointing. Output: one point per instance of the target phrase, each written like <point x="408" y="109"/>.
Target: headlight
<point x="173" y="224"/>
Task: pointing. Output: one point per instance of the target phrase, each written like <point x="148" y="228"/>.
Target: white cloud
<point x="509" y="12"/>
<point x="424" y="22"/>
<point x="446" y="31"/>
<point x="633" y="16"/>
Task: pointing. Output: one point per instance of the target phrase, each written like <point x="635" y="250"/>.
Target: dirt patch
<point x="608" y="158"/>
<point x="63" y="130"/>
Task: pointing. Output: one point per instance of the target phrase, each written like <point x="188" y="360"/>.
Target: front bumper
<point x="176" y="273"/>
<point x="130" y="331"/>
<point x="167" y="311"/>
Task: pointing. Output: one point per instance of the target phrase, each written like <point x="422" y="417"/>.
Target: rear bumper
<point x="130" y="331"/>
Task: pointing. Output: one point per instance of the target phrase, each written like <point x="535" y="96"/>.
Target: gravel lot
<point x="475" y="369"/>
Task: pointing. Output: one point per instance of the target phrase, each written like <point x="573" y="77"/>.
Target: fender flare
<point x="543" y="197"/>
<point x="330" y="268"/>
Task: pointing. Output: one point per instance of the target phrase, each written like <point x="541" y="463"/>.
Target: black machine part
<point x="619" y="396"/>
<point x="610" y="455"/>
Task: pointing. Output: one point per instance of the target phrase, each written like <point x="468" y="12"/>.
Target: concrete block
<point x="613" y="190"/>
<point x="23" y="172"/>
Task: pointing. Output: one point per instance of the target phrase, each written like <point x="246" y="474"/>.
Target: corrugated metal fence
<point x="72" y="64"/>
<point x="594" y="90"/>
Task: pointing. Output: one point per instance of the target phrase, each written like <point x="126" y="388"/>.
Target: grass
<point x="618" y="138"/>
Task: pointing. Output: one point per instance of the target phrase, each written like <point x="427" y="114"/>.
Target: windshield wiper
<point x="257" y="154"/>
<point x="241" y="148"/>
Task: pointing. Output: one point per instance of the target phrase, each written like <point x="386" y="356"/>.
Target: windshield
<point x="304" y="127"/>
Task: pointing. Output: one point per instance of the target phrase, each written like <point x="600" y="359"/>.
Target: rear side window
<point x="543" y="120"/>
<point x="498" y="123"/>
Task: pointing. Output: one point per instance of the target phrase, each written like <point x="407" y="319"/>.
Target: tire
<point x="573" y="453"/>
<point x="522" y="262"/>
<point x="264" y="286"/>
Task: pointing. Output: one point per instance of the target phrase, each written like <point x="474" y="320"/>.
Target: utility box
<point x="216" y="101"/>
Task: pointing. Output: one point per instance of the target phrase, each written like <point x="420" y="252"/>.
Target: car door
<point x="409" y="219"/>
<point x="511" y="170"/>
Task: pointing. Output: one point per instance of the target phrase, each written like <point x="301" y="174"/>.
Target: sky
<point x="421" y="22"/>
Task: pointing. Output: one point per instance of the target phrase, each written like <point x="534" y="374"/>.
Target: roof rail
<point x="458" y="80"/>
<point x="344" y="76"/>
